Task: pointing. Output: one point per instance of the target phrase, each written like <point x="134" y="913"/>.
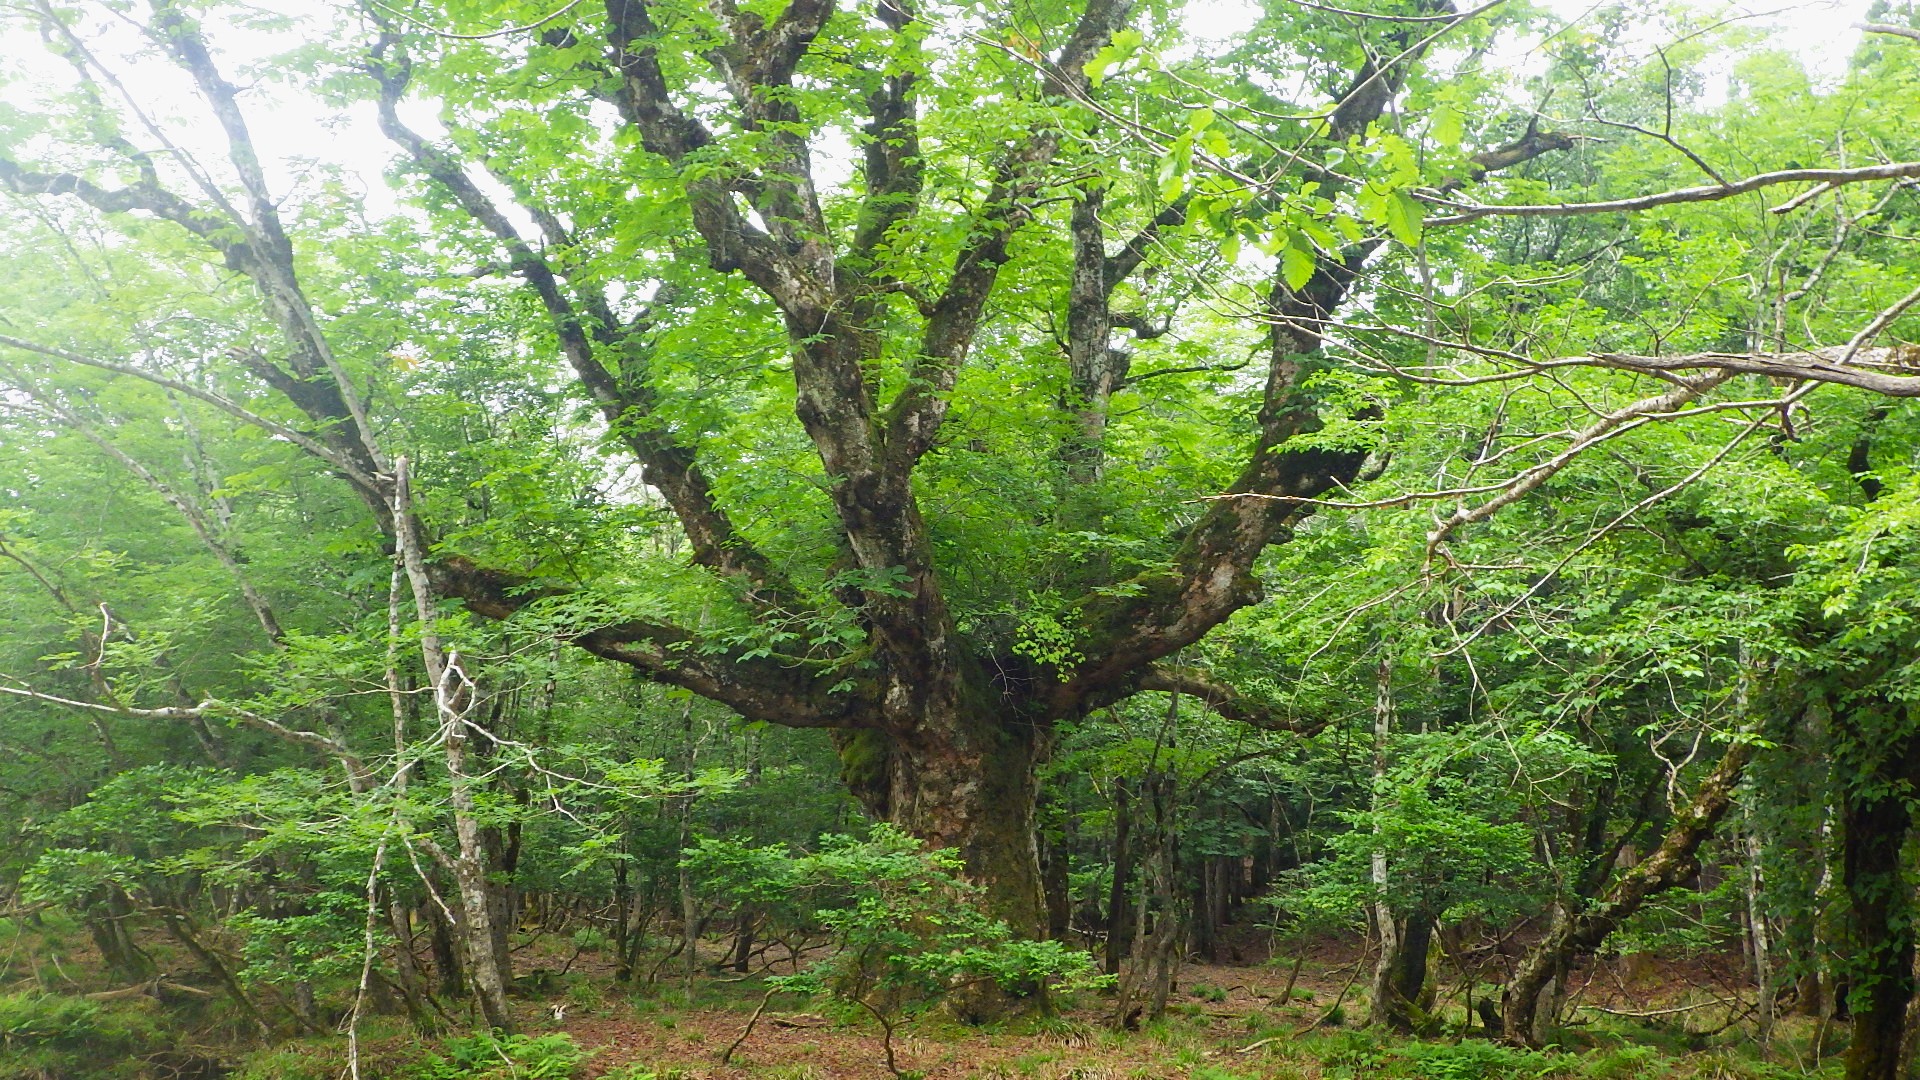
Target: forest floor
<point x="1224" y="1022"/>
<point x="1255" y="1018"/>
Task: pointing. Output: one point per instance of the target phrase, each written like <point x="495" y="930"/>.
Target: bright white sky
<point x="1820" y="32"/>
<point x="293" y="131"/>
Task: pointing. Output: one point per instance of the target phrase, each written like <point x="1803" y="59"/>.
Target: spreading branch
<point x="771" y="689"/>
<point x="1907" y="32"/>
<point x="1224" y="700"/>
<point x="1892" y="371"/>
<point x="1829" y="178"/>
<point x="627" y="404"/>
<point x="211" y="708"/>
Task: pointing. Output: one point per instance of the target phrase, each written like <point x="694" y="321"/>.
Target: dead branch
<point x="1900" y="170"/>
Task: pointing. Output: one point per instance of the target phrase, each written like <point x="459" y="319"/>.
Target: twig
<point x="502" y="32"/>
<point x="726" y="1056"/>
<point x="1337" y="1002"/>
<point x="1648" y="1014"/>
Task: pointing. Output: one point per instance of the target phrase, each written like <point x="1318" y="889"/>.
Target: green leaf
<point x="1297" y="267"/>
<point x="1124" y="44"/>
<point x="1403" y="218"/>
<point x="1173" y="168"/>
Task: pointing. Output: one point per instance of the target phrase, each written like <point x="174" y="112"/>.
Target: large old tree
<point x="689" y="139"/>
<point x="869" y="295"/>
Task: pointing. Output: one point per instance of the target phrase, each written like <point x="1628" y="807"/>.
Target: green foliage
<point x="493" y="1057"/>
<point x="907" y="931"/>
<point x="1359" y="1054"/>
<point x="1745" y="568"/>
<point x="1474" y="1060"/>
<point x="55" y="1035"/>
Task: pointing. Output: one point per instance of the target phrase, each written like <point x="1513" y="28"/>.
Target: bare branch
<point x="505" y="31"/>
<point x="1531" y="144"/>
<point x="1373" y="16"/>
<point x="348" y="468"/>
<point x="1869" y="369"/>
<point x="207" y="709"/>
<point x="1226" y="701"/>
<point x="1832" y="177"/>
<point x="1633" y="415"/>
<point x="1907" y="32"/>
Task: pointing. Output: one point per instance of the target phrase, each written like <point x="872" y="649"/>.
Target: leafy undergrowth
<point x="56" y="1035"/>
<point x="683" y="1043"/>
<point x="50" y="1036"/>
<point x="1224" y="1024"/>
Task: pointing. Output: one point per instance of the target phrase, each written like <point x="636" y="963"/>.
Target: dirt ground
<point x="1224" y="1019"/>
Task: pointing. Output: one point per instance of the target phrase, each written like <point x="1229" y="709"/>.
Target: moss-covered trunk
<point x="1400" y="1002"/>
<point x="964" y="782"/>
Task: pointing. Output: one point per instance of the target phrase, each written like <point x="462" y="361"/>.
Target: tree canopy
<point x="1056" y="429"/>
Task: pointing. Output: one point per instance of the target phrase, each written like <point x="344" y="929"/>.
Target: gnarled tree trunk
<point x="966" y="783"/>
<point x="1400" y="1001"/>
<point x="931" y="744"/>
<point x="1573" y="934"/>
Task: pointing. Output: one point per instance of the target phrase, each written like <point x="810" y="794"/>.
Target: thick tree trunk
<point x="1575" y="934"/>
<point x="967" y="785"/>
<point x="1400" y="977"/>
<point x="1875" y="819"/>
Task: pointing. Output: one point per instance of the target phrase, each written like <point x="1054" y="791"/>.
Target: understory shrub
<point x="57" y="1035"/>
<point x="494" y="1057"/>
